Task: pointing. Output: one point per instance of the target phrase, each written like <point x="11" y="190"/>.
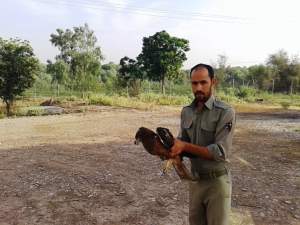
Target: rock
<point x="52" y="110"/>
<point x="296" y="216"/>
<point x="262" y="214"/>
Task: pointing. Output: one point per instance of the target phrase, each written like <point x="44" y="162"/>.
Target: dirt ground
<point x="84" y="169"/>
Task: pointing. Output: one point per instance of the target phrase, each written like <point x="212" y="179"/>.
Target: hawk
<point x="160" y="144"/>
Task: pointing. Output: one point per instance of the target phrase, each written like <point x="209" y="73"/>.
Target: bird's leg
<point x="167" y="166"/>
<point x="181" y="169"/>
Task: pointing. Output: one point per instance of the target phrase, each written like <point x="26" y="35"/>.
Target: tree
<point x="294" y="73"/>
<point x="260" y="77"/>
<point x="79" y="51"/>
<point x="59" y="72"/>
<point x="42" y="81"/>
<point x="130" y="73"/>
<point x="237" y="76"/>
<point x="222" y="69"/>
<point x="108" y="71"/>
<point x="18" y="66"/>
<point x="279" y="64"/>
<point x="162" y="56"/>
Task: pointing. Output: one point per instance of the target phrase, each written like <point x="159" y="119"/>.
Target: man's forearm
<point x="198" y="151"/>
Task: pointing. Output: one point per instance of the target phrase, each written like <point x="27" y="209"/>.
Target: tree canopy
<point x="18" y="66"/>
<point x="162" y="56"/>
<point x="79" y="51"/>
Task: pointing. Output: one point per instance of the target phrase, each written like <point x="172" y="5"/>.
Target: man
<point x="206" y="131"/>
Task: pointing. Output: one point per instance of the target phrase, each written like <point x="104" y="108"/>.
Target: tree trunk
<point x="8" y="106"/>
<point x="57" y="93"/>
<point x="163" y="91"/>
<point x="291" y="88"/>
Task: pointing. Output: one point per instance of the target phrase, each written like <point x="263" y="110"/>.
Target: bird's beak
<point x="136" y="142"/>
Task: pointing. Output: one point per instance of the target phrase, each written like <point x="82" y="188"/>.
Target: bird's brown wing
<point x="166" y="137"/>
<point x="151" y="142"/>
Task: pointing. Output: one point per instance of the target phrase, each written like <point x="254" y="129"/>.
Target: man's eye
<point x="198" y="82"/>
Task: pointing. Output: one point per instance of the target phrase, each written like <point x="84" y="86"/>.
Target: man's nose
<point x="199" y="87"/>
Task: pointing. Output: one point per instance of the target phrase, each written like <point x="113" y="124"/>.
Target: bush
<point x="30" y="111"/>
<point x="72" y="98"/>
<point x="159" y="99"/>
<point x="245" y="92"/>
<point x="2" y="115"/>
<point x="285" y="105"/>
<point x="227" y="97"/>
<point x="101" y="100"/>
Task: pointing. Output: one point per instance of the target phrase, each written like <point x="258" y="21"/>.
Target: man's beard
<point x="200" y="97"/>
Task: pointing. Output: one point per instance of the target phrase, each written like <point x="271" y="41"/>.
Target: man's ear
<point x="214" y="82"/>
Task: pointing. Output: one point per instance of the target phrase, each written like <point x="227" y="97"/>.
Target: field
<point x="83" y="168"/>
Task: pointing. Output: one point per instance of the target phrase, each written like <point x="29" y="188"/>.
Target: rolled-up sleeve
<point x="223" y="136"/>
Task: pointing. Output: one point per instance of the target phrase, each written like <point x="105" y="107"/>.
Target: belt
<point x="210" y="175"/>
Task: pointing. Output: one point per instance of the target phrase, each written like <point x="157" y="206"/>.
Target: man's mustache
<point x="199" y="92"/>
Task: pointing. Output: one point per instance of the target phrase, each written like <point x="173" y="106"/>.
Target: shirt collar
<point x="210" y="102"/>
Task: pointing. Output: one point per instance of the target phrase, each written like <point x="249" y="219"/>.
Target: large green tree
<point x="130" y="74"/>
<point x="162" y="56"/>
<point x="294" y="72"/>
<point x="237" y="76"/>
<point x="285" y="71"/>
<point x="108" y="71"/>
<point x="79" y="50"/>
<point x="222" y="70"/>
<point x="259" y="76"/>
<point x="59" y="72"/>
<point x="18" y="66"/>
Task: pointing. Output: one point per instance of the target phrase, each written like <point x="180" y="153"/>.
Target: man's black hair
<point x="211" y="72"/>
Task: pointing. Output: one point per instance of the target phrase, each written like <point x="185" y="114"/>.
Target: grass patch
<point x="30" y="111"/>
<point x="143" y="101"/>
<point x="118" y="101"/>
<point x="159" y="99"/>
<point x="285" y="105"/>
<point x="243" y="99"/>
<point x="2" y="115"/>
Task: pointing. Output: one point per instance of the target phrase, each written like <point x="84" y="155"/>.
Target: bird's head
<point x="151" y="142"/>
<point x="141" y="134"/>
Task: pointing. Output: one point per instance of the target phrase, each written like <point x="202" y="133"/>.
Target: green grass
<point x="118" y="101"/>
<point x="30" y="111"/>
<point x="143" y="101"/>
<point x="243" y="98"/>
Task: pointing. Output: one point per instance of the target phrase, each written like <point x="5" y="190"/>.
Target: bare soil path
<point x="84" y="169"/>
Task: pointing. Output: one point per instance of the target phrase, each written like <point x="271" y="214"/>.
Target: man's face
<point x="202" y="85"/>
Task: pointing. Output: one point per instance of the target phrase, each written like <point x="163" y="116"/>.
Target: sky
<point x="246" y="31"/>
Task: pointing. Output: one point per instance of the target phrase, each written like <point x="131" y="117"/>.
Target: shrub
<point x="245" y="92"/>
<point x="101" y="100"/>
<point x="159" y="99"/>
<point x="285" y="105"/>
<point x="30" y="111"/>
<point x="72" y="98"/>
<point x="2" y="115"/>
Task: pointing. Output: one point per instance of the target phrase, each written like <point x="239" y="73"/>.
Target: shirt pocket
<point x="208" y="130"/>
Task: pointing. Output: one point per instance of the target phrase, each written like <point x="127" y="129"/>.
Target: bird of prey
<point x="160" y="144"/>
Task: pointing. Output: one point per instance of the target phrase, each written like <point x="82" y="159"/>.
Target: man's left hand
<point x="177" y="148"/>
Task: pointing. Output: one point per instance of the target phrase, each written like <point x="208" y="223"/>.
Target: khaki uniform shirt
<point x="211" y="127"/>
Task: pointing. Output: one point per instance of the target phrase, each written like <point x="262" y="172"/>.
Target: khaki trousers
<point x="210" y="201"/>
